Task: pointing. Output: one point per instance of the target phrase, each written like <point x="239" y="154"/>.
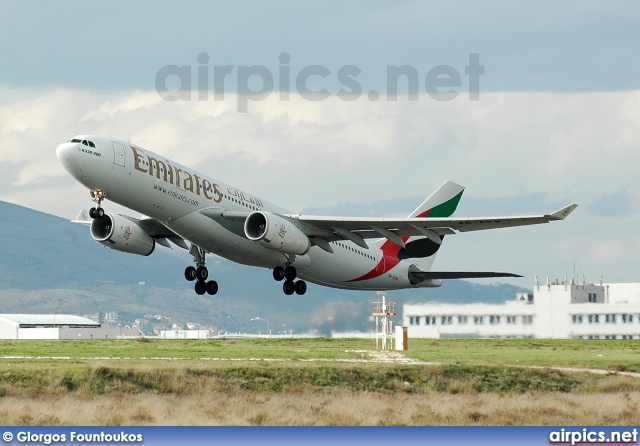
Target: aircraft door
<point x="118" y="153"/>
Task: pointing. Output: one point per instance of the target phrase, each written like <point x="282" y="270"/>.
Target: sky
<point x="531" y="105"/>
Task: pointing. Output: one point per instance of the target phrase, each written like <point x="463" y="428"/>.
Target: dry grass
<point x="338" y="408"/>
<point x="286" y="387"/>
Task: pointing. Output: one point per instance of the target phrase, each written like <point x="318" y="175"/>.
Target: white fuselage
<point x="174" y="195"/>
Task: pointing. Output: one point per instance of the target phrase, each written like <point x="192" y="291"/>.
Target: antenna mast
<point x="383" y="312"/>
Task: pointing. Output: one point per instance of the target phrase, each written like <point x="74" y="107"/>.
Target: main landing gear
<point x="200" y="274"/>
<point x="97" y="196"/>
<point x="289" y="286"/>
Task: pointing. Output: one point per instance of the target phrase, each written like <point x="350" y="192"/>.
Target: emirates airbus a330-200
<point x="204" y="215"/>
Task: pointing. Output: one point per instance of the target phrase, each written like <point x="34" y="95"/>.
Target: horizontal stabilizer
<point x="424" y="275"/>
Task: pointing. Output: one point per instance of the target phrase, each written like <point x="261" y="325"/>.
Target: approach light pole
<point x="260" y="319"/>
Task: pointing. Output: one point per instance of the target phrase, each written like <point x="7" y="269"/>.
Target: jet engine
<point x="274" y="232"/>
<point x="119" y="233"/>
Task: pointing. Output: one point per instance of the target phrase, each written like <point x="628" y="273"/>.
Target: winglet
<point x="83" y="218"/>
<point x="563" y="213"/>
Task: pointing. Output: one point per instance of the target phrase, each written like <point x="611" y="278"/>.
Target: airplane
<point x="207" y="216"/>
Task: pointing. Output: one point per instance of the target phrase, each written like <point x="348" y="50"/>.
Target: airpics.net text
<point x="257" y="82"/>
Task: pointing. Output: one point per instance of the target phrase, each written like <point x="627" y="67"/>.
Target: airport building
<point x="560" y="310"/>
<point x="187" y="334"/>
<point x="58" y="326"/>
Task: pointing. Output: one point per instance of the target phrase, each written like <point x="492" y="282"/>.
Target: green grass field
<point x="276" y="365"/>
<point x="613" y="355"/>
<point x="618" y="355"/>
<point x="318" y="381"/>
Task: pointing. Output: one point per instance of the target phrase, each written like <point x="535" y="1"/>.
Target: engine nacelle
<point x="120" y="233"/>
<point x="277" y="233"/>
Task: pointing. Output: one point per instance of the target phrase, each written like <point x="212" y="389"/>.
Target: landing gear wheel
<point x="288" y="287"/>
<point x="190" y="273"/>
<point x="278" y="273"/>
<point x="201" y="288"/>
<point x="212" y="287"/>
<point x="290" y="273"/>
<point x="97" y="196"/>
<point x="202" y="273"/>
<point x="300" y="287"/>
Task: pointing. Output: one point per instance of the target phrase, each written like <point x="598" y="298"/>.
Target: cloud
<point x="576" y="146"/>
<point x="517" y="153"/>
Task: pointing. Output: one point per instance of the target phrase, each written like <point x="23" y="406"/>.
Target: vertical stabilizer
<point x="442" y="203"/>
<point x="420" y="250"/>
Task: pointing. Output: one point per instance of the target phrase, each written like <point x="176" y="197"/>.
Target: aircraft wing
<point x="410" y="224"/>
<point x="321" y="229"/>
<point x="357" y="229"/>
<point x="364" y="225"/>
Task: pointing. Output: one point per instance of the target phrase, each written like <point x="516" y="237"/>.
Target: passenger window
<point x="91" y="144"/>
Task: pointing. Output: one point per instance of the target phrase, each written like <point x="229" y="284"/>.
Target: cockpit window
<point x="84" y="141"/>
<point x="91" y="144"/>
<point x="75" y="140"/>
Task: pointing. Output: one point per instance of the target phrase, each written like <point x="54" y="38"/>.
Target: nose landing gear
<point x="200" y="274"/>
<point x="97" y="195"/>
<point x="289" y="286"/>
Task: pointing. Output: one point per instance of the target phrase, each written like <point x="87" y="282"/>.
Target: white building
<point x="59" y="326"/>
<point x="561" y="310"/>
<point x="111" y="317"/>
<point x="186" y="334"/>
<point x="45" y="326"/>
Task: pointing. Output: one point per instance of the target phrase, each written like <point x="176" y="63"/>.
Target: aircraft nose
<point x="65" y="153"/>
<point x="63" y="149"/>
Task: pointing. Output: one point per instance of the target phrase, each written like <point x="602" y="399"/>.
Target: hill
<point x="48" y="264"/>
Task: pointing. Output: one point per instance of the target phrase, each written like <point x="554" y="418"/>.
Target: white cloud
<point x="572" y="147"/>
